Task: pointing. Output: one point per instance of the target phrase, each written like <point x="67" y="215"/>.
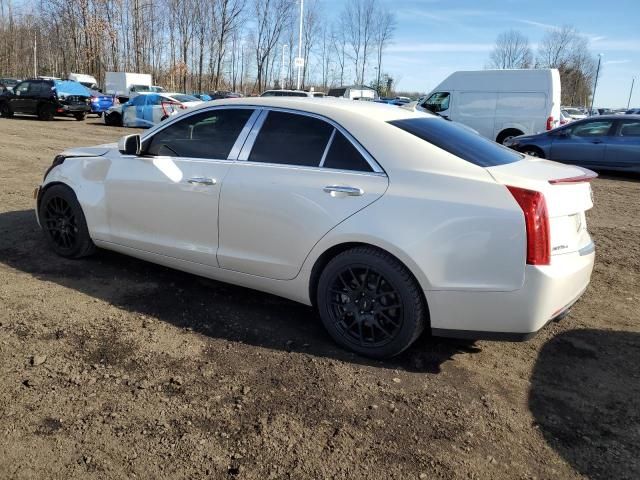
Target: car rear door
<point x="623" y="147"/>
<point x="166" y="201"/>
<point x="297" y="177"/>
<point x="584" y="143"/>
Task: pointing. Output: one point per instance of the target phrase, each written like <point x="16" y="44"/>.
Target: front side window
<point x="209" y="134"/>
<point x="597" y="128"/>
<point x="438" y="102"/>
<point x="23" y="88"/>
<point x="291" y="139"/>
<point x="629" y="128"/>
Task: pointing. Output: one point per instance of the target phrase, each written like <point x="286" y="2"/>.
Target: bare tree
<point x="512" y="50"/>
<point x="228" y="17"/>
<point x="384" y="27"/>
<point x="310" y="34"/>
<point x="358" y="25"/>
<point x="270" y="17"/>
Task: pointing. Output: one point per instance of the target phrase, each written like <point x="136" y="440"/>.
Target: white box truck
<point x="499" y="104"/>
<point x="123" y="84"/>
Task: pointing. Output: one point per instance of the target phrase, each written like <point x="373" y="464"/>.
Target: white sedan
<point x="388" y="221"/>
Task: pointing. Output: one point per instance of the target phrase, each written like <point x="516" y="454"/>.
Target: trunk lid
<point x="567" y="200"/>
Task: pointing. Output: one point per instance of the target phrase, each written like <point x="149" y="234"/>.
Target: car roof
<point x="614" y="117"/>
<point x="327" y="106"/>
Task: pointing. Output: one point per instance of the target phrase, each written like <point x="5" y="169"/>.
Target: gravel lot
<point x="111" y="367"/>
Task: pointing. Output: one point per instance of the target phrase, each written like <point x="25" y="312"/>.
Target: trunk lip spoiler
<point x="586" y="177"/>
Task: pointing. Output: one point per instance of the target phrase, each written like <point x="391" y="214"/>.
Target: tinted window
<point x="630" y="128"/>
<point x="185" y="98"/>
<point x="458" y="141"/>
<point x="343" y="155"/>
<point x="596" y="128"/>
<point x="204" y="135"/>
<point x="291" y="139"/>
<point x="22" y="88"/>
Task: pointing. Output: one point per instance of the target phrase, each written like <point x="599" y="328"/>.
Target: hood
<point x="95" y="151"/>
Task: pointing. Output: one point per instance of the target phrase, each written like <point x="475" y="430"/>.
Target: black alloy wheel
<point x="5" y="110"/>
<point x="63" y="223"/>
<point x="370" y="303"/>
<point x="366" y="308"/>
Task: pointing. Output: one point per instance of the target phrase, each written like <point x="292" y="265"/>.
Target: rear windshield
<point x="459" y="141"/>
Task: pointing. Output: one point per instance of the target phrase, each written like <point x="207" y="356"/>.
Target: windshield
<point x="140" y="88"/>
<point x="572" y="111"/>
<point x="70" y="87"/>
<point x="185" y="98"/>
<point x="458" y="141"/>
<point x="438" y="102"/>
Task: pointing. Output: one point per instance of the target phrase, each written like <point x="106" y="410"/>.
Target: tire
<point x="80" y="116"/>
<point x="532" y="151"/>
<point x="113" y="119"/>
<point x="507" y="135"/>
<point x="5" y="110"/>
<point x="378" y="317"/>
<point x="99" y="114"/>
<point x="63" y="223"/>
<point x="46" y="112"/>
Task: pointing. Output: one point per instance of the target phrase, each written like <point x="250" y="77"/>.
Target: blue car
<point x="603" y="142"/>
<point x="100" y="102"/>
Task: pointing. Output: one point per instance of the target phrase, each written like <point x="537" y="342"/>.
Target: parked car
<point x="126" y="85"/>
<point x="100" y="102"/>
<point x="157" y="89"/>
<point x="218" y="94"/>
<point x="564" y="118"/>
<point x="388" y="221"/>
<point x="633" y="111"/>
<point x="605" y="142"/>
<point x="202" y="96"/>
<point x="7" y="84"/>
<point x="500" y="104"/>
<point x="573" y="113"/>
<point x="354" y="92"/>
<point x="46" y="99"/>
<point x="291" y="93"/>
<point x="148" y="109"/>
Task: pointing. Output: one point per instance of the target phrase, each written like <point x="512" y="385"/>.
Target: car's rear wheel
<point x="507" y="134"/>
<point x="80" y="116"/>
<point x="370" y="303"/>
<point x="63" y="223"/>
<point x="113" y="119"/>
<point x="46" y="112"/>
<point x="5" y="110"/>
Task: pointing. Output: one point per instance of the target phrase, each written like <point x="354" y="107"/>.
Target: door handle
<point x="348" y="191"/>
<point x="202" y="181"/>
<point x="596" y="141"/>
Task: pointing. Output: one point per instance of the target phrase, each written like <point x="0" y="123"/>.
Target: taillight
<point x="550" y="123"/>
<point x="536" y="219"/>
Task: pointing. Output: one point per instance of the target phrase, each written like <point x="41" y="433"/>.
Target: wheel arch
<point x="46" y="187"/>
<point x="325" y="257"/>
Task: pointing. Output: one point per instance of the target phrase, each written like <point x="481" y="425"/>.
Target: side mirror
<point x="130" y="145"/>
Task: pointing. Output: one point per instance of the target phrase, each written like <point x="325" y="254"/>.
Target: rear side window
<point x="458" y="141"/>
<point x="344" y="156"/>
<point x="597" y="128"/>
<point x="208" y="134"/>
<point x="291" y="139"/>
<point x="630" y="128"/>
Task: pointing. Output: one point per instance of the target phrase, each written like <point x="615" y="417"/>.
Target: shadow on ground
<point x="211" y="308"/>
<point x="585" y="398"/>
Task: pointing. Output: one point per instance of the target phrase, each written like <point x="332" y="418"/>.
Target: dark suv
<point x="46" y="99"/>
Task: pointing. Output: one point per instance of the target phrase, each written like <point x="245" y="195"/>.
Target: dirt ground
<point x="111" y="367"/>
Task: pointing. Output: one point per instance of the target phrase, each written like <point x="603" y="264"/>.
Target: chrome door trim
<point x="348" y="191"/>
<point x="326" y="149"/>
<point x="246" y="150"/>
<point x="251" y="138"/>
<point x="201" y="181"/>
<point x="244" y="133"/>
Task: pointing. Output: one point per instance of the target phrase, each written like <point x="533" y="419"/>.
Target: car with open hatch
<point x="387" y="220"/>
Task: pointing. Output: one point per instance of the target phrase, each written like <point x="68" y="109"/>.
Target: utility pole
<point x="633" y="80"/>
<point x="595" y="85"/>
<point x="300" y="60"/>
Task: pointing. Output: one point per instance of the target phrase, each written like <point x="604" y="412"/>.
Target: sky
<point x="437" y="37"/>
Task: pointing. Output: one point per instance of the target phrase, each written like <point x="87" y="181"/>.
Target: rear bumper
<point x="547" y="293"/>
<point x="73" y="108"/>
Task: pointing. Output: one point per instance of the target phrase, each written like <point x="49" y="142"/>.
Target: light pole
<point x="299" y="60"/>
<point x="284" y="72"/>
<point x="633" y="80"/>
<point x="595" y="85"/>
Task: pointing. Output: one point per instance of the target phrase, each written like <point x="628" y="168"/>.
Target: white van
<point x="499" y="104"/>
<point x="127" y="84"/>
<point x="86" y="80"/>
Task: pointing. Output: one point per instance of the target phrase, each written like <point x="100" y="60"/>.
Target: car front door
<point x="297" y="177"/>
<point x="582" y="143"/>
<point x="623" y="148"/>
<point x="20" y="99"/>
<point x="165" y="201"/>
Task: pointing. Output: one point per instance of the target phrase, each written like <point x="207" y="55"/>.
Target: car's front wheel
<point x="80" y="116"/>
<point x="5" y="110"/>
<point x="113" y="119"/>
<point x="63" y="223"/>
<point x="370" y="303"/>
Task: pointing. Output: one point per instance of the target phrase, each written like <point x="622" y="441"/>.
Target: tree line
<point x="198" y="45"/>
<point x="562" y="48"/>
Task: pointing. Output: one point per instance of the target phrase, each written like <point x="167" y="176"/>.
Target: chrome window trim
<point x="311" y="169"/>
<point x="246" y="150"/>
<point x="242" y="137"/>
<point x="326" y="149"/>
